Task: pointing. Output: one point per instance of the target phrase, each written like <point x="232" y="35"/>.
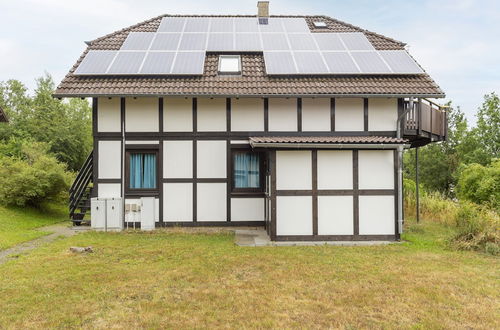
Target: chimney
<point x="263" y="11"/>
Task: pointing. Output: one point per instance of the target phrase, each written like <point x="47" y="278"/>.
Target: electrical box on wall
<point x="106" y="214"/>
<point x="147" y="213"/>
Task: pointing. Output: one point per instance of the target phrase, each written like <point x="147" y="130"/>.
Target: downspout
<point x="400" y="167"/>
<point x="122" y="115"/>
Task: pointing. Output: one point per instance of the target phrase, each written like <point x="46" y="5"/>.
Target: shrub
<point x="29" y="175"/>
<point x="481" y="184"/>
<point x="477" y="229"/>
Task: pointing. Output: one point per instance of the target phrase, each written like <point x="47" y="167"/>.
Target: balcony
<point x="425" y="122"/>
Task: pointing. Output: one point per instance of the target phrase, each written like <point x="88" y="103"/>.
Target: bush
<point x="477" y="229"/>
<point x="481" y="184"/>
<point x="29" y="175"/>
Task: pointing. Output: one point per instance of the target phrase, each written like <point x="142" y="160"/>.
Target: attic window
<point x="320" y="25"/>
<point x="229" y="65"/>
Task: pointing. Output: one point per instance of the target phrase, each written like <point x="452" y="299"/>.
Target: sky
<point x="456" y="41"/>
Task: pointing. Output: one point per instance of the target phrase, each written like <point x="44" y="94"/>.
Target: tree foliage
<point x="481" y="184"/>
<point x="65" y="126"/>
<point x="440" y="164"/>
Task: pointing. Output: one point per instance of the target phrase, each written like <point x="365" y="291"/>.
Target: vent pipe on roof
<point x="263" y="12"/>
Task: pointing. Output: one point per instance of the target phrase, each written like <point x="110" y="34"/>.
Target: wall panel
<point x="211" y="201"/>
<point x="283" y="114"/>
<point x="211" y="159"/>
<point x="294" y="215"/>
<point x="335" y="169"/>
<point x="335" y="215"/>
<point x="376" y="215"/>
<point x="349" y="114"/>
<point x="376" y="169"/>
<point x="211" y="115"/>
<point x="247" y="209"/>
<point x="141" y="114"/>
<point x="177" y="202"/>
<point x="108" y="190"/>
<point x="247" y="114"/>
<point x="178" y="115"/>
<point x="316" y="114"/>
<point x="110" y="159"/>
<point x="178" y="159"/>
<point x="109" y="115"/>
<point x="382" y="114"/>
<point x="293" y="170"/>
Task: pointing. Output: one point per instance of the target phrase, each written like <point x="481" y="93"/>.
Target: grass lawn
<point x="173" y="279"/>
<point x="19" y="225"/>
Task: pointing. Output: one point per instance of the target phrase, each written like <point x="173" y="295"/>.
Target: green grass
<point x="19" y="225"/>
<point x="174" y="279"/>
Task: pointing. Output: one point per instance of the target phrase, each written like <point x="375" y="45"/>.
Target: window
<point x="142" y="170"/>
<point x="229" y="65"/>
<point x="320" y="25"/>
<point x="248" y="171"/>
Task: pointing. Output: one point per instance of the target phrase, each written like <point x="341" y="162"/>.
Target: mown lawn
<point x="19" y="225"/>
<point x="183" y="280"/>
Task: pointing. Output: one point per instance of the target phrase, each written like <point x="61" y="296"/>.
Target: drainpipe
<point x="400" y="167"/>
<point x="122" y="114"/>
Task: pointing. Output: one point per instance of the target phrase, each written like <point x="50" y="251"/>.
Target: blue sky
<point x="456" y="41"/>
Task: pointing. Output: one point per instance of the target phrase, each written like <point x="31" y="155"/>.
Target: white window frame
<point x="225" y="72"/>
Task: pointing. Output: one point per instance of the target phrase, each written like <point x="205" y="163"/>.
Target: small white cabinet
<point x="106" y="214"/>
<point x="147" y="213"/>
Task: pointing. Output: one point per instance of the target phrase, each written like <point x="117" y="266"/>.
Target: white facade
<point x="319" y="193"/>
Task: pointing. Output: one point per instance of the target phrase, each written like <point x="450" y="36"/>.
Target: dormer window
<point x="229" y="65"/>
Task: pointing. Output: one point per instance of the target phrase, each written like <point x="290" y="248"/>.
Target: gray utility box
<point x="147" y="213"/>
<point x="106" y="214"/>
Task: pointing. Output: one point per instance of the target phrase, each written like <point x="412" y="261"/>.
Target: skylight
<point x="229" y="65"/>
<point x="320" y="24"/>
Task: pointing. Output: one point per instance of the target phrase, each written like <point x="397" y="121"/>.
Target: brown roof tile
<point x="253" y="81"/>
<point x="327" y="139"/>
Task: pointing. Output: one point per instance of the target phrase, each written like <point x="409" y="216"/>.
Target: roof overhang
<point x="84" y="95"/>
<point x="328" y="142"/>
<point x="347" y="146"/>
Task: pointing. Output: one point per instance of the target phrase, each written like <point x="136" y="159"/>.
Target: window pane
<point x="246" y="170"/>
<point x="142" y="171"/>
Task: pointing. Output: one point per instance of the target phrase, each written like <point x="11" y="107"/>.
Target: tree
<point x="65" y="126"/>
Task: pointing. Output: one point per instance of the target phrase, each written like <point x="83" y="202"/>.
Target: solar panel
<point x="340" y="62"/>
<point x="220" y="42"/>
<point x="356" y="41"/>
<point x="196" y="24"/>
<point x="166" y="41"/>
<point x="189" y="63"/>
<point x="138" y="41"/>
<point x="302" y="41"/>
<point x="279" y="63"/>
<point x="328" y="41"/>
<point x="127" y="63"/>
<point x="223" y="24"/>
<point x="242" y="24"/>
<point x="96" y="62"/>
<point x="400" y="61"/>
<point x="274" y="41"/>
<point x="310" y="63"/>
<point x="292" y="25"/>
<point x="273" y="25"/>
<point x="193" y="41"/>
<point x="247" y="42"/>
<point x="370" y="62"/>
<point x="158" y="63"/>
<point x="172" y="24"/>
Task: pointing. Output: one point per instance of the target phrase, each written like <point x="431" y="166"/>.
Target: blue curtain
<point x="142" y="171"/>
<point x="135" y="171"/>
<point x="246" y="170"/>
<point x="149" y="171"/>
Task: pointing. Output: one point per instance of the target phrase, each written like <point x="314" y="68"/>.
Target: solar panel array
<point x="180" y="44"/>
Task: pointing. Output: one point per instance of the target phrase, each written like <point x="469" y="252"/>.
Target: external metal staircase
<point x="81" y="192"/>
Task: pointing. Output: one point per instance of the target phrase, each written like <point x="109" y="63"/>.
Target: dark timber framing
<point x="315" y="192"/>
<point x="228" y="136"/>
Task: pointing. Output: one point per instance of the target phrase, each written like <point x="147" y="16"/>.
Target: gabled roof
<point x="254" y="81"/>
<point x="3" y="116"/>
